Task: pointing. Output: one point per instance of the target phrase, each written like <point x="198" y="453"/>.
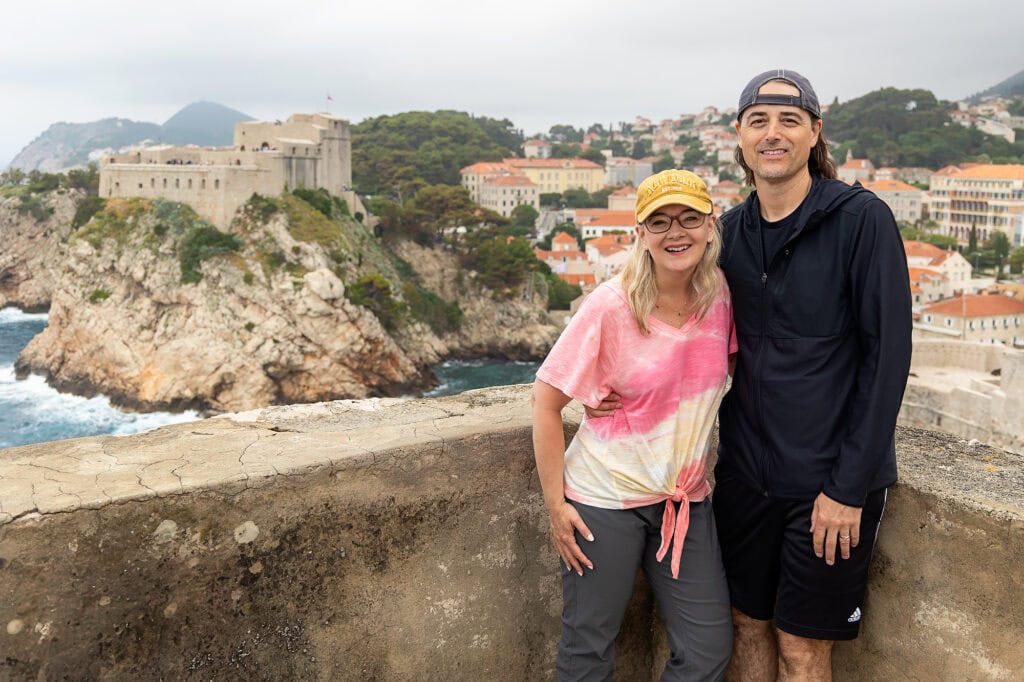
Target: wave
<point x="10" y="315"/>
<point x="33" y="412"/>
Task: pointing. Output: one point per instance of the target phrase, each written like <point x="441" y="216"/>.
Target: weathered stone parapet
<point x="392" y="539"/>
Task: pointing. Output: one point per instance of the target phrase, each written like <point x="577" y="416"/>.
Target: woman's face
<point x="678" y="249"/>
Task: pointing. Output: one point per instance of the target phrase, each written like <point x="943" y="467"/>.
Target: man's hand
<point x="564" y="521"/>
<point x="834" y="523"/>
<point x="609" y="404"/>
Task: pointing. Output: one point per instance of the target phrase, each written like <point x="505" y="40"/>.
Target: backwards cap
<point x="807" y="99"/>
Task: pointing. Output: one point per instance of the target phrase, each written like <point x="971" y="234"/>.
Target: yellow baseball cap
<point x="668" y="187"/>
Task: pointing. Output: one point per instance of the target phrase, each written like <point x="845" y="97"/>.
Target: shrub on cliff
<point x="323" y="201"/>
<point x="86" y="209"/>
<point x="503" y="263"/>
<point x="426" y="306"/>
<point x="373" y="292"/>
<point x="201" y="243"/>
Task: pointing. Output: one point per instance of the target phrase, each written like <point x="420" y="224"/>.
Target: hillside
<point x="895" y="127"/>
<point x="1011" y="87"/>
<point x="70" y="145"/>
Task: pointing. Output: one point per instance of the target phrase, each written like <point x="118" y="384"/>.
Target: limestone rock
<point x="267" y="324"/>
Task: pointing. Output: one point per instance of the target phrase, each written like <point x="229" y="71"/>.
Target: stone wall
<point x="399" y="540"/>
<point x="979" y="406"/>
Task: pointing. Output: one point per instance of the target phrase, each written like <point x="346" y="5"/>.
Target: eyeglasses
<point x="662" y="223"/>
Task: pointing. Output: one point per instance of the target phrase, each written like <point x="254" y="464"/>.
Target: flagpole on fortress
<point x="328" y="104"/>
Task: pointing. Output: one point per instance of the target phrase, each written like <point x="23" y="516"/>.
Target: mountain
<point x="67" y="145"/>
<point x="1014" y="85"/>
<point x="206" y="124"/>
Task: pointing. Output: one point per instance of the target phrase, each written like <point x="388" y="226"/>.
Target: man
<point x="821" y="299"/>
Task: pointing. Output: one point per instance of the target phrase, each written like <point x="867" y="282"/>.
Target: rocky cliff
<point x="157" y="310"/>
<point x="32" y="231"/>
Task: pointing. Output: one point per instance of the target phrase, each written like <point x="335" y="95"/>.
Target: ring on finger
<point x="844" y="538"/>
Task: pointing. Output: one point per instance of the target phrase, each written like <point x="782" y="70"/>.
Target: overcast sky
<point x="536" y="62"/>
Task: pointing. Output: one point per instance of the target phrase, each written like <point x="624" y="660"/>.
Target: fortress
<point x="308" y="150"/>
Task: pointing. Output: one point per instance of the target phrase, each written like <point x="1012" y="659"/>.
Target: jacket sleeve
<point x="880" y="298"/>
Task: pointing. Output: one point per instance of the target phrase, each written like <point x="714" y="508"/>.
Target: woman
<point x="632" y="485"/>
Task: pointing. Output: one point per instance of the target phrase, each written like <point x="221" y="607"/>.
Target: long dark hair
<point x="820" y="162"/>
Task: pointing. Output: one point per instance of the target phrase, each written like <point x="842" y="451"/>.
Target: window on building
<point x="177" y="183"/>
<point x="216" y="183"/>
<point x="190" y="183"/>
<point x="202" y="184"/>
<point x="927" y="318"/>
<point x="152" y="183"/>
<point x="165" y="183"/>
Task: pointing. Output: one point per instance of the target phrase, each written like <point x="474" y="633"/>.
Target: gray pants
<point x="694" y="608"/>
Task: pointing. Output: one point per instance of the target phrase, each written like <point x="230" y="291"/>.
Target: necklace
<point x="682" y="314"/>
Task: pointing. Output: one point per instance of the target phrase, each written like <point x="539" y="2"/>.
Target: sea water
<point x="33" y="412"/>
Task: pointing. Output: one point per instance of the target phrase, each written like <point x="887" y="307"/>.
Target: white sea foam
<point x="33" y="412"/>
<point x="11" y="315"/>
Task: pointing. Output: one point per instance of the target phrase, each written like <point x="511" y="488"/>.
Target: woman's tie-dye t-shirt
<point x="671" y="382"/>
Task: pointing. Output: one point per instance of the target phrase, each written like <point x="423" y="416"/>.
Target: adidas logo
<point x="855" y="616"/>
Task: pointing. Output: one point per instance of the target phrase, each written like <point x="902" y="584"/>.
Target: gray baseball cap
<point x="807" y="100"/>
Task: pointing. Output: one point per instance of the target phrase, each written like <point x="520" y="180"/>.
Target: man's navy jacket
<point x="824" y="348"/>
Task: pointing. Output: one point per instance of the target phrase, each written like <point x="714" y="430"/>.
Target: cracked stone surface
<point x="239" y="449"/>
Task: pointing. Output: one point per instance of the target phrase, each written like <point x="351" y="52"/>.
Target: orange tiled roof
<point x="994" y="171"/>
<point x="624" y="238"/>
<point x="563" y="238"/>
<point x="536" y="143"/>
<point x="916" y="249"/>
<point x="856" y="163"/>
<point x="947" y="170"/>
<point x="489" y="168"/>
<point x="552" y="163"/>
<point x="916" y="274"/>
<point x="977" y="306"/>
<point x="579" y="280"/>
<point x="889" y="185"/>
<point x="625" y="191"/>
<point x="914" y="289"/>
<point x="510" y="180"/>
<point x="559" y="255"/>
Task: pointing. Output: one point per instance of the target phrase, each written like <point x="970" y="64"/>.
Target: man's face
<point x="777" y="140"/>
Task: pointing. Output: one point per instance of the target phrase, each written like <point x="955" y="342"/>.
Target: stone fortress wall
<point x="406" y="539"/>
<point x="308" y="150"/>
<point x="973" y="390"/>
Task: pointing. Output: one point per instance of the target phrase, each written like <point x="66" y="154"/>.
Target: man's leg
<point x="804" y="660"/>
<point x="754" y="653"/>
<point x="819" y="604"/>
<point x="750" y="528"/>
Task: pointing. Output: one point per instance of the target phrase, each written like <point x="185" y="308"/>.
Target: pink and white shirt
<point x="671" y="382"/>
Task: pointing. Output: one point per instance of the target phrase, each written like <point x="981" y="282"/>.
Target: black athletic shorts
<point x="768" y="551"/>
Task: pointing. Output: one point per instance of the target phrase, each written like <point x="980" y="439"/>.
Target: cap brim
<point x="695" y="203"/>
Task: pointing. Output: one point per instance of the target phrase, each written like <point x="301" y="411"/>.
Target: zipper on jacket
<point x="760" y="355"/>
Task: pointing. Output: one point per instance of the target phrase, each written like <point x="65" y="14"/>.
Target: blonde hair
<point x="641" y="287"/>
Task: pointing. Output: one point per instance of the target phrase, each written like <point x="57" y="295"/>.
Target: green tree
<point x="524" y="215"/>
<point x="396" y="155"/>
<point x="551" y="199"/>
<point x="1017" y="261"/>
<point x="999" y="244"/>
<point x="565" y="133"/>
<point x="595" y="155"/>
<point x="664" y="162"/>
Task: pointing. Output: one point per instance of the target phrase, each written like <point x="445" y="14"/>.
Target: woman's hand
<point x="609" y="404"/>
<point x="565" y="522"/>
